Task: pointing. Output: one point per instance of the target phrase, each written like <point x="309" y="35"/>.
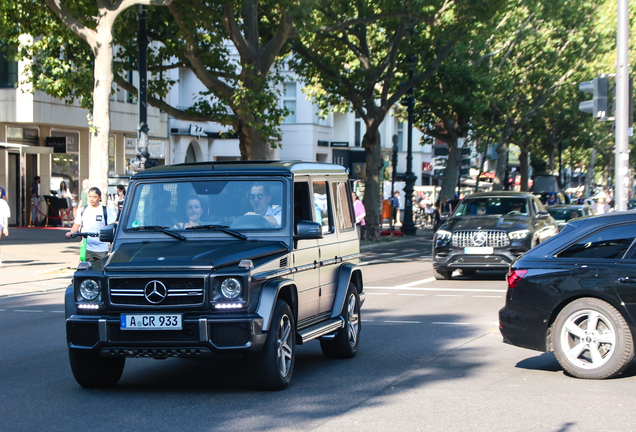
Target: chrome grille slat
<point x="493" y="238"/>
<point x="179" y="291"/>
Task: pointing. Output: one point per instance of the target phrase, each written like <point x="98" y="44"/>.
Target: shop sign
<point x="58" y="144"/>
<point x="339" y="144"/>
<point x="72" y="140"/>
<point x="27" y="135"/>
<point x="323" y="143"/>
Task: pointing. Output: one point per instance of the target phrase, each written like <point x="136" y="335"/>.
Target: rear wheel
<point x="272" y="367"/>
<point x="346" y="341"/>
<point x="442" y="274"/>
<point x="91" y="370"/>
<point x="592" y="340"/>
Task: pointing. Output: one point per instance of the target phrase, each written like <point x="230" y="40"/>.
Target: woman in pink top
<point x="360" y="213"/>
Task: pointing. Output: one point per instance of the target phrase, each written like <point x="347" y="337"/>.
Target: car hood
<point x="474" y="223"/>
<point x="189" y="254"/>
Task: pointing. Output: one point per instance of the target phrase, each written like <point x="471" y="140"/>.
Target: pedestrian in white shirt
<point x="5" y="214"/>
<point x="93" y="218"/>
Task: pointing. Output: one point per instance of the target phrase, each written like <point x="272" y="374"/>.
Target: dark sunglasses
<point x="256" y="196"/>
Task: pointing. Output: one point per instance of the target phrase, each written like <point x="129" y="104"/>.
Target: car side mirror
<point x="107" y="234"/>
<point x="543" y="215"/>
<point x="308" y="230"/>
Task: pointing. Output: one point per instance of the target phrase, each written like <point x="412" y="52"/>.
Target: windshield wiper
<point x="159" y="229"/>
<point x="222" y="228"/>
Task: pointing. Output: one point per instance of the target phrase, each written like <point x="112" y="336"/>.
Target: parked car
<point x="488" y="230"/>
<point x="574" y="295"/>
<point x="221" y="258"/>
<point x="563" y="213"/>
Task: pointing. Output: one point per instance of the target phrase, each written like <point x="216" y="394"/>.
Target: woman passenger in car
<point x="194" y="210"/>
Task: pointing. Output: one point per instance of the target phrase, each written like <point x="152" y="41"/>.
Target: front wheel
<point x="592" y="340"/>
<point x="272" y="367"/>
<point x="345" y="343"/>
<point x="90" y="370"/>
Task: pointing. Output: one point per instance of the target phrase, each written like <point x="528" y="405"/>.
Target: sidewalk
<point x="42" y="259"/>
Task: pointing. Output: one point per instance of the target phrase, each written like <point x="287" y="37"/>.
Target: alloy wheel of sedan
<point x="592" y="339"/>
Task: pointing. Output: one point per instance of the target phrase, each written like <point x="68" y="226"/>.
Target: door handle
<point x="627" y="280"/>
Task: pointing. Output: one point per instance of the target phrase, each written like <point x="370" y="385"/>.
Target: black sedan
<point x="576" y="295"/>
<point x="563" y="213"/>
<point x="488" y="231"/>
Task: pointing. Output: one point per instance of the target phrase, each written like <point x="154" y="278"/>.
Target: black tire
<point x="345" y="343"/>
<point x="442" y="274"/>
<point x="272" y="367"/>
<point x="93" y="371"/>
<point x="603" y="351"/>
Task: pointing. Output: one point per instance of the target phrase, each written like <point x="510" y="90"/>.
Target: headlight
<point x="89" y="289"/>
<point x="518" y="235"/>
<point x="231" y="288"/>
<point x="443" y="235"/>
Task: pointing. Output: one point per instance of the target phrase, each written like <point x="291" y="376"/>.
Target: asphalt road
<point x="431" y="359"/>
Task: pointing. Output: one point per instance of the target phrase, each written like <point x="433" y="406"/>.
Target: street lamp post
<point x="142" y="160"/>
<point x="408" y="227"/>
<point x="393" y="174"/>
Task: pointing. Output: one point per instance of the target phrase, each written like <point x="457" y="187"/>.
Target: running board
<point x="320" y="329"/>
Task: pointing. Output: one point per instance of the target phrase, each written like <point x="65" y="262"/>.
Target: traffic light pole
<point x="621" y="183"/>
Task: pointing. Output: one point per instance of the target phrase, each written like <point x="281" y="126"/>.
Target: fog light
<point x="89" y="289"/>
<point x="231" y="288"/>
<point x="88" y="306"/>
<point x="228" y="306"/>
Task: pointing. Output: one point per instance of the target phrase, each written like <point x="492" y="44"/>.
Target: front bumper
<point x="199" y="336"/>
<point x="524" y="327"/>
<point x="455" y="258"/>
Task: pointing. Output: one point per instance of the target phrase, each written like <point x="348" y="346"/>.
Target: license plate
<point x="478" y="251"/>
<point x="150" y="322"/>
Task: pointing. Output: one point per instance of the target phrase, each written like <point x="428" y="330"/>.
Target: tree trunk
<point x="502" y="166"/>
<point x="251" y="145"/>
<point x="372" y="199"/>
<point x="551" y="152"/>
<point x="98" y="158"/>
<point x="523" y="166"/>
<point x="451" y="172"/>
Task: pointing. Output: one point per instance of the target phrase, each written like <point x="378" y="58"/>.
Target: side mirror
<point x="107" y="234"/>
<point x="543" y="215"/>
<point x="308" y="230"/>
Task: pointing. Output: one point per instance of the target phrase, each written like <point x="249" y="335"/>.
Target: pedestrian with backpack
<point x="93" y="218"/>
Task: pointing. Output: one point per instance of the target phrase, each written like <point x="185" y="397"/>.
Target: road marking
<point x="404" y="322"/>
<point x="419" y="295"/>
<point x="434" y="289"/>
<point x="387" y="259"/>
<point x="488" y="296"/>
<point x="448" y="295"/>
<point x="417" y="282"/>
<point x="377" y="293"/>
<point x="449" y="323"/>
<point x="27" y="310"/>
<point x="56" y="311"/>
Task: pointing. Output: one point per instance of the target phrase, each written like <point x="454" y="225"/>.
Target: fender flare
<point x="348" y="273"/>
<point x="269" y="296"/>
<point x="69" y="302"/>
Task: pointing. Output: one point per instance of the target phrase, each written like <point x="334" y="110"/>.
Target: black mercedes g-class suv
<point x="213" y="258"/>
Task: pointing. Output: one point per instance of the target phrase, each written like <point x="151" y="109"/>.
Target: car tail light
<point x="514" y="276"/>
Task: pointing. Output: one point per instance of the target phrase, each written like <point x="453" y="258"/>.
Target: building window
<point x="289" y="101"/>
<point x="358" y="130"/>
<point x="400" y="135"/>
<point x="8" y="71"/>
<point x="111" y="156"/>
<point x="130" y="97"/>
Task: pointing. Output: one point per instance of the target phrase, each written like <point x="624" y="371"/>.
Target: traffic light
<point x="598" y="105"/>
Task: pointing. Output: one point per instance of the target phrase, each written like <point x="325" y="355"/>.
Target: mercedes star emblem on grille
<point x="479" y="238"/>
<point x="155" y="292"/>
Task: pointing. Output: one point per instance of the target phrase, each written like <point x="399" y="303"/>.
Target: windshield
<point x="564" y="215"/>
<point x="492" y="206"/>
<point x="183" y="205"/>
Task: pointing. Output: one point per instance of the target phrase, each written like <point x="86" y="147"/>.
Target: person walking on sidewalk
<point x="5" y="214"/>
<point x="35" y="199"/>
<point x="92" y="218"/>
<point x="358" y="207"/>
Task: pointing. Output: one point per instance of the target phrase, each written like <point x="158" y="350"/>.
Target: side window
<point x="322" y="206"/>
<point x="608" y="243"/>
<point x="302" y="208"/>
<point x="343" y="205"/>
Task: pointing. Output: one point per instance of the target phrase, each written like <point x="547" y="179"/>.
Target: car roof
<point x="284" y="168"/>
<point x="511" y="194"/>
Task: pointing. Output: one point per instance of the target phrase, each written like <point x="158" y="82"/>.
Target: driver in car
<point x="259" y="200"/>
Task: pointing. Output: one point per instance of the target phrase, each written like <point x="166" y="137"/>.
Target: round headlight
<point x="89" y="289"/>
<point x="231" y="288"/>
